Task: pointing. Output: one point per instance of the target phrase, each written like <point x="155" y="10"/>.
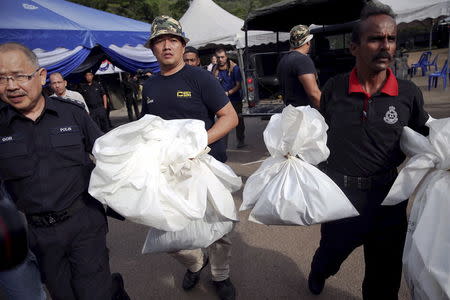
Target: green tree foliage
<point x="147" y="10"/>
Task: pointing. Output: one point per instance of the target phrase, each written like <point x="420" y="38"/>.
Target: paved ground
<point x="268" y="262"/>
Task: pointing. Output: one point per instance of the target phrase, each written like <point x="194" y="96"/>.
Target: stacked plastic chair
<point x="432" y="63"/>
<point x="422" y="63"/>
<point x="433" y="77"/>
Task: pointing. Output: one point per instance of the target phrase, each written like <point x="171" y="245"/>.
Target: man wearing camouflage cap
<point x="296" y="71"/>
<point x="181" y="91"/>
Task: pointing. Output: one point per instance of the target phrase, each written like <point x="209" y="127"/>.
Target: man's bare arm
<point x="236" y="88"/>
<point x="105" y="101"/>
<point x="312" y="90"/>
<point x="226" y="120"/>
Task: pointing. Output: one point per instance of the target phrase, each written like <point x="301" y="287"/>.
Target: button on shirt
<point x="364" y="130"/>
<point x="45" y="163"/>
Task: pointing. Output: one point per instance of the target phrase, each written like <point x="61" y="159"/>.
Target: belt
<point x="53" y="218"/>
<point x="362" y="183"/>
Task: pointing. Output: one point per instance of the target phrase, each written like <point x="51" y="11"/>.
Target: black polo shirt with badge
<point x="191" y="93"/>
<point x="93" y="94"/>
<point x="364" y="130"/>
<point x="45" y="163"/>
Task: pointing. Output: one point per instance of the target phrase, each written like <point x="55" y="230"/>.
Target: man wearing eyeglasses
<point x="44" y="161"/>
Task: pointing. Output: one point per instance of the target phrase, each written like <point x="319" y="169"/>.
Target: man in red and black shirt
<point x="366" y="111"/>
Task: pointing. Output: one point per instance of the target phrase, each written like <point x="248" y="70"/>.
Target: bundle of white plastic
<point x="157" y="173"/>
<point x="426" y="257"/>
<point x="288" y="189"/>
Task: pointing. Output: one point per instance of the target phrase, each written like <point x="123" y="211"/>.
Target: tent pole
<point x="246" y="50"/>
<point x="448" y="53"/>
<point x="278" y="41"/>
<point x="431" y="34"/>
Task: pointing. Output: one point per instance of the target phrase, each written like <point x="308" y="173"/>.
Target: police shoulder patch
<point x="69" y="100"/>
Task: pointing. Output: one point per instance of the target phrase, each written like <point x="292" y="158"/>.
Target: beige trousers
<point x="219" y="258"/>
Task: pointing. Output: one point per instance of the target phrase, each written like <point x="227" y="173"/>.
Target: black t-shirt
<point x="93" y="94"/>
<point x="45" y="163"/>
<point x="191" y="93"/>
<point x="365" y="146"/>
<point x="292" y="65"/>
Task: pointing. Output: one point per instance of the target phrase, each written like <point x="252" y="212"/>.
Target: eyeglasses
<point x="21" y="78"/>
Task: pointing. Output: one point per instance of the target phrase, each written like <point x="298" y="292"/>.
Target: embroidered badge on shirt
<point x="5" y="139"/>
<point x="391" y="116"/>
<point x="184" y="94"/>
<point x="149" y="100"/>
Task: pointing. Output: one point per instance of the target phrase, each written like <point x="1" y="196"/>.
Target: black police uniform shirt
<point x="45" y="163"/>
<point x="191" y="93"/>
<point x="364" y="131"/>
<point x="292" y="65"/>
<point x="93" y="94"/>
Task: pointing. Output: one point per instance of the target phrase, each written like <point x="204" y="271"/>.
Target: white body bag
<point x="426" y="257"/>
<point x="288" y="189"/>
<point x="157" y="173"/>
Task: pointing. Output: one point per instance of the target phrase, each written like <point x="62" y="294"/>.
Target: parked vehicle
<point x="329" y="47"/>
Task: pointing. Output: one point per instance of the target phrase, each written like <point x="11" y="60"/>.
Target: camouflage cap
<point x="299" y="36"/>
<point x="165" y="25"/>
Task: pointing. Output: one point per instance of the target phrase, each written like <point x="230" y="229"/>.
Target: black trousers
<point x="72" y="256"/>
<point x="380" y="229"/>
<point x="99" y="116"/>
<point x="131" y="103"/>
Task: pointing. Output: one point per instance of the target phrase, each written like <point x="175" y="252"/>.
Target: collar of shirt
<point x="390" y="87"/>
<point x="62" y="96"/>
<point x="12" y="113"/>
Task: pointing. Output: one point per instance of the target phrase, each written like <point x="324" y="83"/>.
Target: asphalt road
<point x="268" y="262"/>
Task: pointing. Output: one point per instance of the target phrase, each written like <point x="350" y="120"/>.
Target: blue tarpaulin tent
<point x="63" y="34"/>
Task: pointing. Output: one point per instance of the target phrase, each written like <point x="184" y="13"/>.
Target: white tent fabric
<point x="433" y="11"/>
<point x="207" y="23"/>
<point x="48" y="58"/>
<point x="139" y="52"/>
<point x="403" y="5"/>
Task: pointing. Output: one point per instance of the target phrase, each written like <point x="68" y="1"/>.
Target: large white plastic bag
<point x="287" y="190"/>
<point x="145" y="172"/>
<point x="298" y="131"/>
<point x="197" y="234"/>
<point x="426" y="255"/>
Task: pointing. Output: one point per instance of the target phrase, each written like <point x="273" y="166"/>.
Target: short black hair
<point x="372" y="8"/>
<point x="190" y="49"/>
<point x="220" y="49"/>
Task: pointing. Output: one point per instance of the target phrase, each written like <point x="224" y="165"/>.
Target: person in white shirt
<point x="58" y="85"/>
<point x="213" y="63"/>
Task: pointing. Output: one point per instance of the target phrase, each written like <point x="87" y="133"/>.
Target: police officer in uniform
<point x="182" y="91"/>
<point x="366" y="111"/>
<point x="95" y="96"/>
<point x="44" y="161"/>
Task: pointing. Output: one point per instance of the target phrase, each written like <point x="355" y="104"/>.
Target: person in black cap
<point x="45" y="143"/>
<point x="366" y="111"/>
<point x="96" y="99"/>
